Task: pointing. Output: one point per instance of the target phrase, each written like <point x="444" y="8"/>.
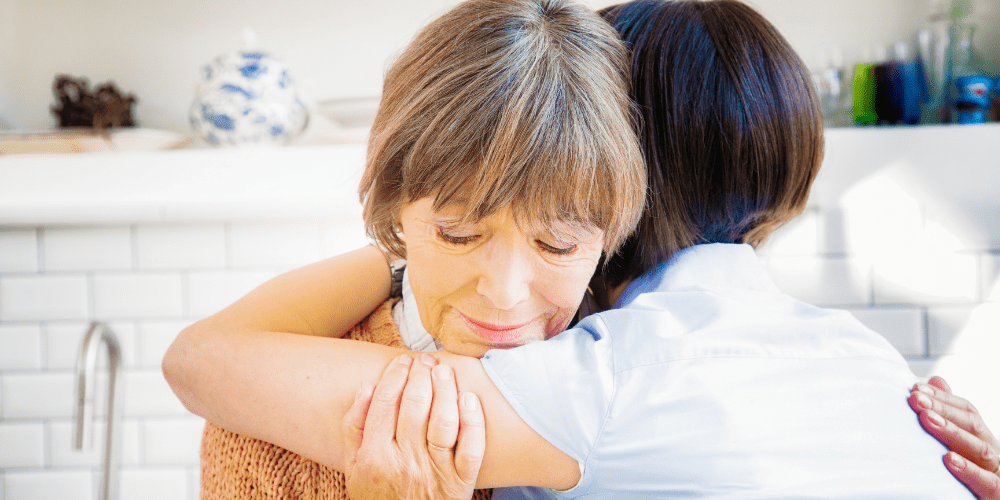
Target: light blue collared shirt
<point x="708" y="382"/>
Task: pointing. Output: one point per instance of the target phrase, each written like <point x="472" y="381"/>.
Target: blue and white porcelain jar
<point x="247" y="98"/>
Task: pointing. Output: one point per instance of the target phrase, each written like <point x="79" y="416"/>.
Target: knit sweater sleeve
<point x="236" y="467"/>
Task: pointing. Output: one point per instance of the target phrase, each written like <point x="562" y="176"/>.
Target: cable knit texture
<point x="235" y="467"/>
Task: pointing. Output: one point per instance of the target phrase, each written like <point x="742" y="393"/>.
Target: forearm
<point x="293" y="394"/>
<point x="242" y="368"/>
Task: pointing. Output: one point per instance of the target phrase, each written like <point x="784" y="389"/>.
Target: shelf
<point x="181" y="185"/>
<point x="945" y="166"/>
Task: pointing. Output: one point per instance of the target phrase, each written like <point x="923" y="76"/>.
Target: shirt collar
<point x="710" y="265"/>
<point x="415" y="336"/>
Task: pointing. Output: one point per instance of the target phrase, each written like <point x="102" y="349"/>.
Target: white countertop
<point x="180" y="185"/>
<point x="944" y="165"/>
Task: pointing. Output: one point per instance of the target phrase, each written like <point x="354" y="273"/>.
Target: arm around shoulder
<point x="516" y="455"/>
<point x="240" y="368"/>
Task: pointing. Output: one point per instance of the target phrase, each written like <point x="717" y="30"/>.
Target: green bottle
<point x="864" y="95"/>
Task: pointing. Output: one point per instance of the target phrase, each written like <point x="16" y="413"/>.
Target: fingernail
<point x="470" y="401"/>
<point x="427" y="359"/>
<point x="957" y="461"/>
<point x="935" y="419"/>
<point x="405" y="360"/>
<point x="926" y="389"/>
<point x="924" y="401"/>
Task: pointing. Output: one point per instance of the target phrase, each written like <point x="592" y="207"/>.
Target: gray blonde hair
<point x="508" y="103"/>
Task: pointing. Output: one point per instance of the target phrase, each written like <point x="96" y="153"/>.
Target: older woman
<point x="509" y="118"/>
<point x="530" y="443"/>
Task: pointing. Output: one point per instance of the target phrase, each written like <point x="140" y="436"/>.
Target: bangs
<point x="542" y="160"/>
<point x="519" y="104"/>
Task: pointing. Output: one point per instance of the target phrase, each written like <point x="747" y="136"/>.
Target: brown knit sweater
<point x="235" y="467"/>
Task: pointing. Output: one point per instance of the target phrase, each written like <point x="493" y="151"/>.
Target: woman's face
<point x="489" y="284"/>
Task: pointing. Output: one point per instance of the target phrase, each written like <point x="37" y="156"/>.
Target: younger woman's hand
<point x="431" y="449"/>
<point x="974" y="458"/>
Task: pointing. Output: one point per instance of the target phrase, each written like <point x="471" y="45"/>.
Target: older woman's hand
<point x="975" y="452"/>
<point x="422" y="454"/>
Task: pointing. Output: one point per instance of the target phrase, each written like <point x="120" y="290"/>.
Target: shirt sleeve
<point x="562" y="387"/>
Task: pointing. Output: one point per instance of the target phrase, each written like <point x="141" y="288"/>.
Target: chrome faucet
<point x="86" y="367"/>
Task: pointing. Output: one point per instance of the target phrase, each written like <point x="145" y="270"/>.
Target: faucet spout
<point x="86" y="368"/>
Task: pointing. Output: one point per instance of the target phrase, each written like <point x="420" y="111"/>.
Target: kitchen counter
<point x="180" y="185"/>
<point x="943" y="166"/>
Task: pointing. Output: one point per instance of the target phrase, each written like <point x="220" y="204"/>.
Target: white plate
<point x="354" y="113"/>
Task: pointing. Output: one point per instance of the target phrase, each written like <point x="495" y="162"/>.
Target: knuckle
<point x="352" y="428"/>
<point x="474" y="424"/>
<point x="977" y="426"/>
<point x="385" y="397"/>
<point x="445" y="420"/>
<point x="968" y="407"/>
<point x="989" y="452"/>
<point x="420" y="398"/>
<point x="985" y="451"/>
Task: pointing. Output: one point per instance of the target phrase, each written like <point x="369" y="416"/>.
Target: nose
<point x="505" y="273"/>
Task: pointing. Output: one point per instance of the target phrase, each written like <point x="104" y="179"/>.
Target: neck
<point x="606" y="297"/>
<point x="616" y="292"/>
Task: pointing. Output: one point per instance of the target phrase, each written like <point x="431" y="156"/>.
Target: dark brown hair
<point x="508" y="103"/>
<point x="731" y="128"/>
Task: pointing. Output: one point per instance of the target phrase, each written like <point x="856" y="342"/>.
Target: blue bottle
<point x="973" y="100"/>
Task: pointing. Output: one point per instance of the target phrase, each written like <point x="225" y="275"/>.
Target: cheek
<point x="435" y="277"/>
<point x="564" y="288"/>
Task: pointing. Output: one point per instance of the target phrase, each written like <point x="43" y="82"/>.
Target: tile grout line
<point x="134" y="244"/>
<point x="40" y="250"/>
<point x="43" y="345"/>
<point x="47" y="443"/>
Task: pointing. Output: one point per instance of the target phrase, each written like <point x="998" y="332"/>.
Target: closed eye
<point x="456" y="240"/>
<point x="555" y="250"/>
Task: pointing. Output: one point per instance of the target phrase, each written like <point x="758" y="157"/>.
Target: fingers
<point x="380" y="425"/>
<point x="442" y="430"/>
<point x="953" y="408"/>
<point x="471" y="445"/>
<point x="939" y="383"/>
<point x="415" y="406"/>
<point x="956" y="439"/>
<point x="984" y="484"/>
<point x="354" y="424"/>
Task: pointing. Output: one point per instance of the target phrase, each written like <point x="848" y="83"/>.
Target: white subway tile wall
<point x="147" y="282"/>
<point x="44" y="297"/>
<point x="20" y="347"/>
<point x="181" y="247"/>
<point x="902" y="327"/>
<point x="150" y="281"/>
<point x="87" y="249"/>
<point x="18" y="250"/>
<point x="22" y="445"/>
<point x="160" y="483"/>
<point x="49" y="484"/>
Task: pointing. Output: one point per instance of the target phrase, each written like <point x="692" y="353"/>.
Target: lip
<point x="498" y="333"/>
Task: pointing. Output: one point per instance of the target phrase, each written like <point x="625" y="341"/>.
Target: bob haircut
<point x="508" y="103"/>
<point x="731" y="129"/>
